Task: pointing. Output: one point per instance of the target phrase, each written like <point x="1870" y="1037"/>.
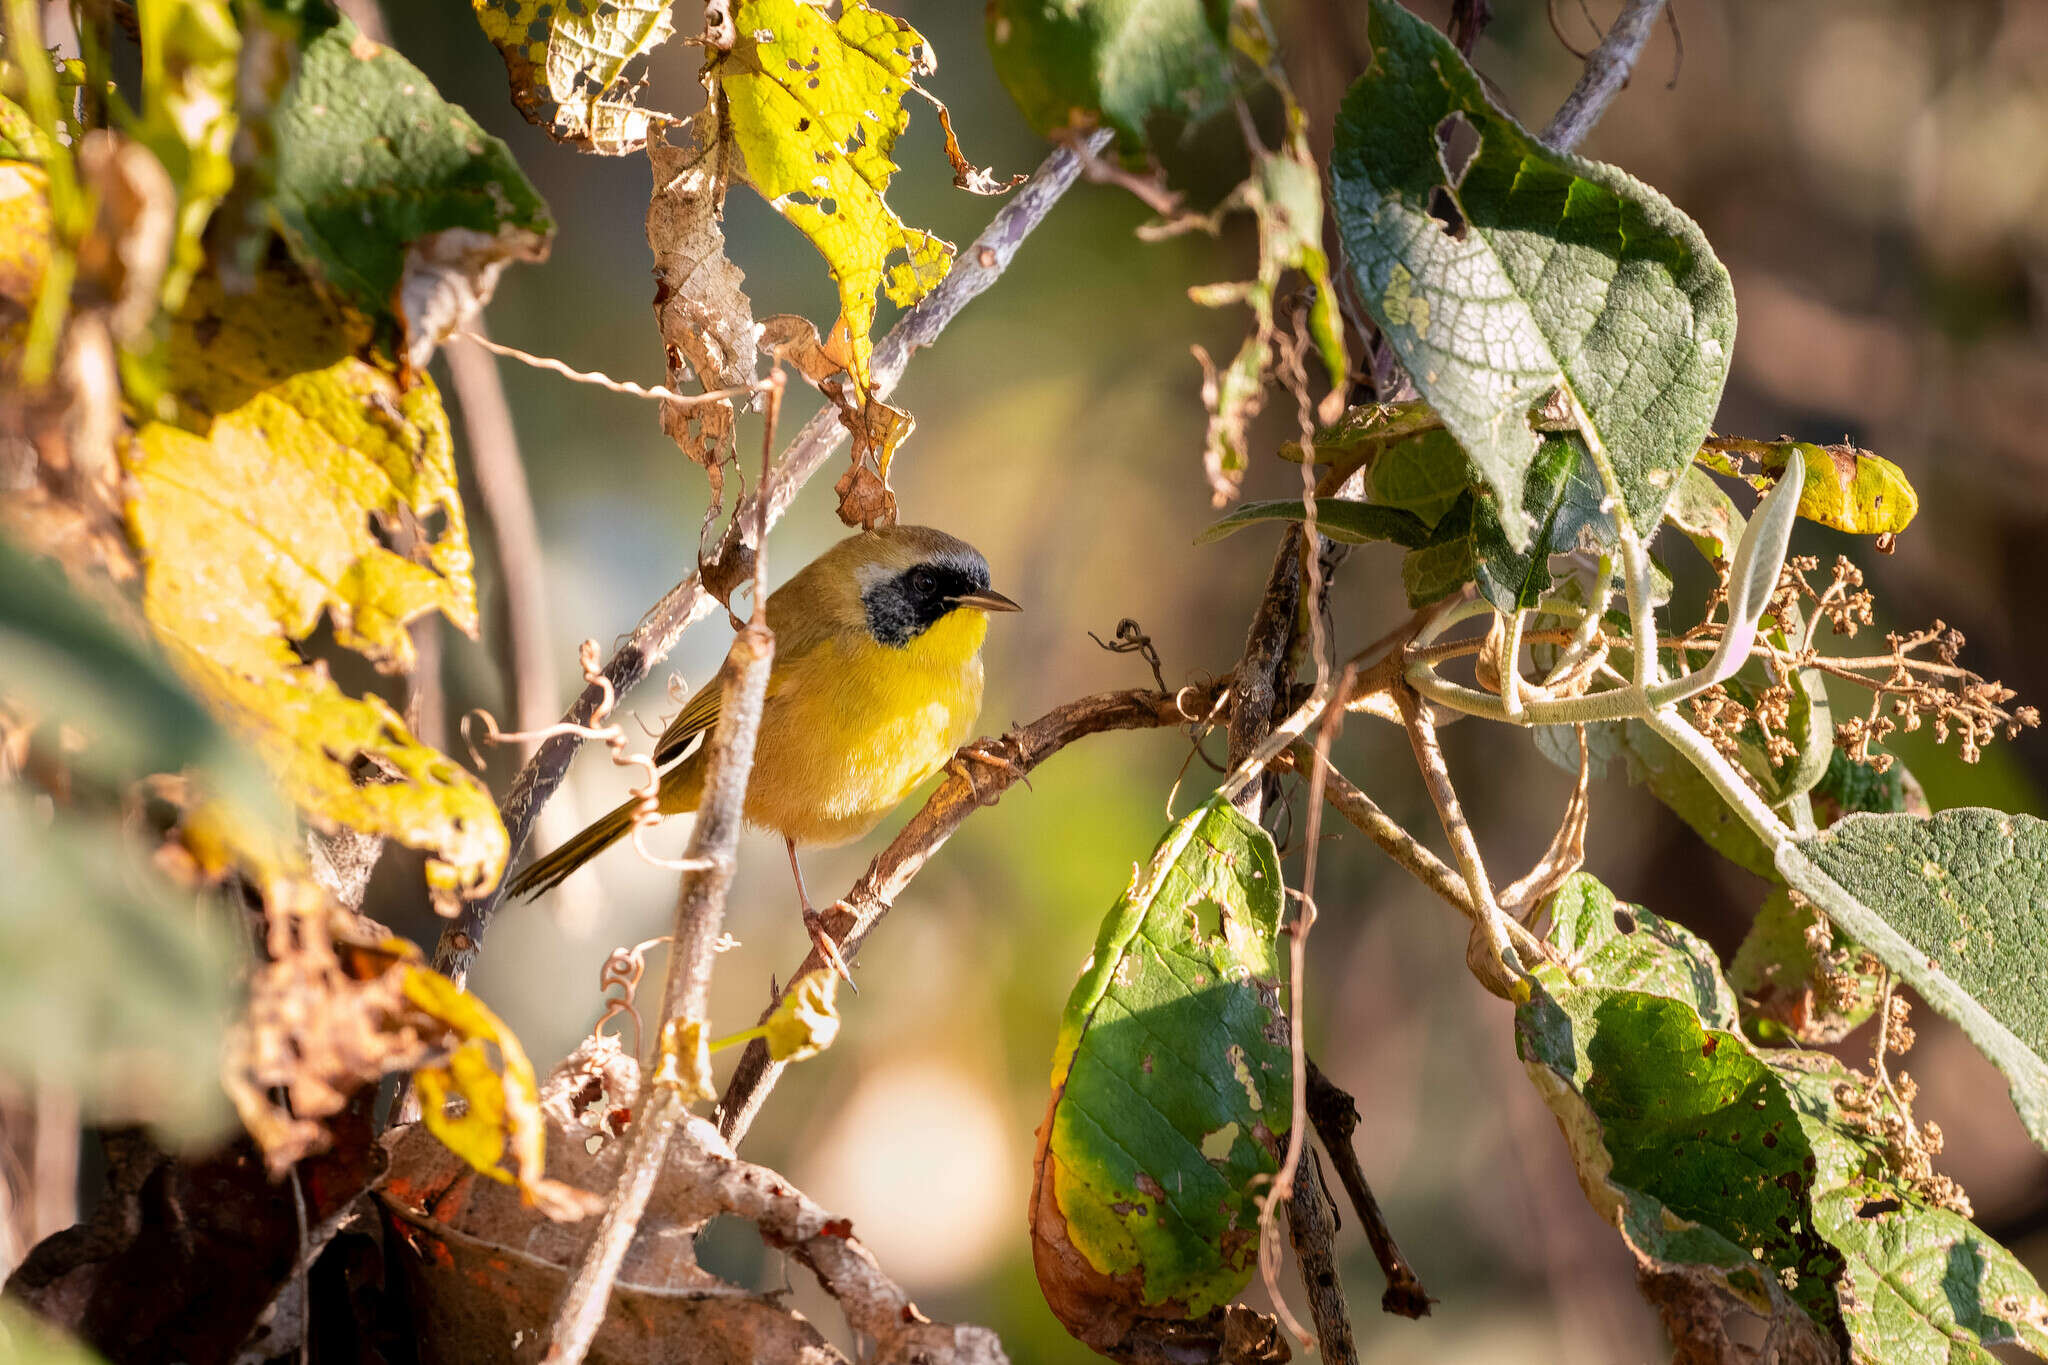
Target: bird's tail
<point x="545" y="874"/>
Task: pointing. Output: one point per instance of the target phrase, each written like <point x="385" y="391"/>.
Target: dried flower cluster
<point x="1881" y="1104"/>
<point x="1917" y="681"/>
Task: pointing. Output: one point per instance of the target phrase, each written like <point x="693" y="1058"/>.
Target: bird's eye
<point x="923" y="581"/>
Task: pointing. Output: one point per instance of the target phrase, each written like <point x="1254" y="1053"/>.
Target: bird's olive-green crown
<point x="895" y="581"/>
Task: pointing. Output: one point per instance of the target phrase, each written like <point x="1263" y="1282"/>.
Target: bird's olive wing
<point x="699" y="714"/>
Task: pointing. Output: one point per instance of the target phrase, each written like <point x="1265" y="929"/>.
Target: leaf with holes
<point x="1556" y="271"/>
<point x="1171" y="1088"/>
<point x="1957" y="905"/>
<point x="814" y="106"/>
<point x="256" y="509"/>
<point x="393" y="196"/>
<point x="1737" y="1168"/>
<point x="498" y="1129"/>
<point x="567" y="62"/>
<point x="1610" y="942"/>
<point x="1115" y="62"/>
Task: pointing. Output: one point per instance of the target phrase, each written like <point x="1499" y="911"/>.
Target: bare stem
<point x="700" y="913"/>
<point x="1607" y="71"/>
<point x="1395" y="841"/>
<point x="1335" y="1116"/>
<point x="1494" y="935"/>
<point x="501" y="489"/>
<point x="978" y="267"/>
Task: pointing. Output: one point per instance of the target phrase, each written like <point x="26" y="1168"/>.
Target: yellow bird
<point x="876" y="683"/>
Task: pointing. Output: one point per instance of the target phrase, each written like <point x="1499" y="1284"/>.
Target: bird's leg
<point x="987" y="751"/>
<point x="815" y="923"/>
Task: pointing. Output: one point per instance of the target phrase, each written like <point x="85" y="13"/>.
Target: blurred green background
<point x="1874" y="175"/>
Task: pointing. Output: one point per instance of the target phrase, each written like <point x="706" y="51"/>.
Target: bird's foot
<point x="821" y="939"/>
<point x="986" y="751"/>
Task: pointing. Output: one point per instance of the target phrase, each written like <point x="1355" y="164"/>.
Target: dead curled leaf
<point x="485" y="1272"/>
<point x="706" y="320"/>
<point x="338" y="1003"/>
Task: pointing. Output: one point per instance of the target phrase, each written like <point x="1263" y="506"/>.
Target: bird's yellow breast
<point x="851" y="726"/>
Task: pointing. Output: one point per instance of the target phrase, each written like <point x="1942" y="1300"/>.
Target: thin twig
<point x="700" y="918"/>
<point x="966" y="789"/>
<point x="1494" y="935"/>
<point x="1311" y="1219"/>
<point x="501" y="490"/>
<point x="1335" y="1116"/>
<point x="978" y="267"/>
<point x="1394" y="840"/>
<point x="1607" y="71"/>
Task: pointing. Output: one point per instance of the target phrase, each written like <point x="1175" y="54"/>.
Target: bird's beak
<point x="985" y="600"/>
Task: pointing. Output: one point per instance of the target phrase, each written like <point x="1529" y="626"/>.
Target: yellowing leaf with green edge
<point x="1172" y="1089"/>
<point x="1849" y="489"/>
<point x="255" y="509"/>
<point x="503" y="1103"/>
<point x="567" y="64"/>
<point x="814" y="106"/>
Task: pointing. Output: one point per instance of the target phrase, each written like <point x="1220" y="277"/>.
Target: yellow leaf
<point x="814" y="107"/>
<point x="503" y="1103"/>
<point x="255" y="506"/>
<point x="567" y="64"/>
<point x="806" y="1021"/>
<point x="683" y="1060"/>
<point x="477" y="1135"/>
<point x="1849" y="489"/>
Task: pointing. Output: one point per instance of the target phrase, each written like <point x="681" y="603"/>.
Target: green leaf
<point x="1957" y="905"/>
<point x="567" y="64"/>
<point x="1171" y="1084"/>
<point x="255" y="515"/>
<point x="1561" y="499"/>
<point x="1801" y="978"/>
<point x="114" y="987"/>
<point x="1354" y="523"/>
<point x="1670" y="777"/>
<point x="1609" y="942"/>
<point x="1425" y="474"/>
<point x="1564" y="272"/>
<point x="814" y="106"/>
<point x="392" y="195"/>
<point x="1737" y="1167"/>
<point x="1113" y="62"/>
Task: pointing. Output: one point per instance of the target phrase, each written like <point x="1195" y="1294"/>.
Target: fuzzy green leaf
<point x="1957" y="905"/>
<point x="1171" y="1081"/>
<point x="1564" y="273"/>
